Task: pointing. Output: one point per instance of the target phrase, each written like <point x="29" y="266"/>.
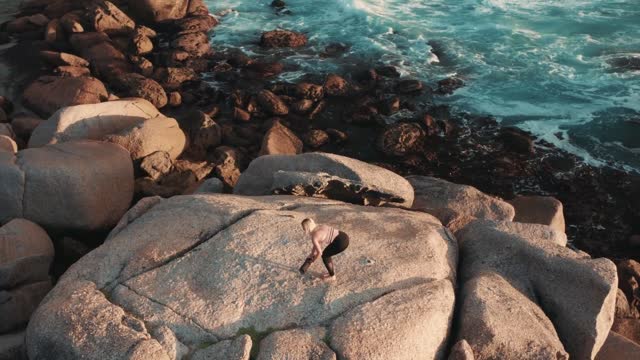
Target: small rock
<point x="145" y="31"/>
<point x="309" y="91"/>
<point x="8" y="144"/>
<point x="173" y="78"/>
<point x="282" y="38"/>
<point x="241" y="115"/>
<point x="316" y="138"/>
<point x="302" y="106"/>
<point x="63" y="59"/>
<point x="401" y="139"/>
<point x="108" y="18"/>
<point x="449" y="85"/>
<point x="210" y="186"/>
<point x="204" y="133"/>
<point x="71" y="23"/>
<point x="196" y="44"/>
<point x="142" y="65"/>
<point x="337" y="136"/>
<point x="279" y="4"/>
<point x="280" y="140"/>
<point x="136" y="85"/>
<point x="409" y="86"/>
<point x="335" y="85"/>
<point x="71" y="71"/>
<point x="175" y="99"/>
<point x="156" y="164"/>
<point x="272" y="103"/>
<point x="141" y="45"/>
<point x="517" y="140"/>
<point x="264" y="69"/>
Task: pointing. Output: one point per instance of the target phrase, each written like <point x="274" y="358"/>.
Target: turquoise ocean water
<point x="544" y="65"/>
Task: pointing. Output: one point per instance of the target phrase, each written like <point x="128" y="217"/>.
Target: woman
<point x="324" y="237"/>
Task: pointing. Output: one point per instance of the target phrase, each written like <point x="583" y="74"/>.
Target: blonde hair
<point x="306" y="224"/>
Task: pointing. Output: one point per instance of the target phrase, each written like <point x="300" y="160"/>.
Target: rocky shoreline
<point x="134" y="90"/>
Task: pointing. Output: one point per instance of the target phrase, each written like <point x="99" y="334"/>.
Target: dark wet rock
<point x="278" y="4"/>
<point x="401" y="139"/>
<point x="241" y="115"/>
<point x="271" y="103"/>
<point x="27" y="24"/>
<point x="72" y="71"/>
<point x="409" y="86"/>
<point x="142" y="65"/>
<point x="196" y="24"/>
<point x="196" y="44"/>
<point x="390" y="105"/>
<point x="107" y="61"/>
<point x="282" y="38"/>
<point x="335" y="85"/>
<point x="323" y="185"/>
<point x="48" y="93"/>
<point x="6" y="104"/>
<point x="264" y="69"/>
<point x="136" y="85"/>
<point x="54" y="32"/>
<point x="335" y="49"/>
<point x="203" y="132"/>
<point x="173" y="78"/>
<point x="449" y="85"/>
<point x="302" y="106"/>
<point x="156" y="164"/>
<point x="63" y="59"/>
<point x="71" y="23"/>
<point x="280" y="140"/>
<point x="387" y="71"/>
<point x="108" y="18"/>
<point x="309" y="91"/>
<point x="337" y="136"/>
<point x="517" y="140"/>
<point x="316" y="138"/>
<point x="625" y="64"/>
<point x="156" y="11"/>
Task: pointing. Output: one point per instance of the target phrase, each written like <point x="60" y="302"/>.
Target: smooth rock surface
<point x="401" y="325"/>
<point x="195" y="266"/>
<point x="280" y="140"/>
<point x="236" y="349"/>
<point x="296" y="344"/>
<point x="156" y="134"/>
<point x="92" y="122"/>
<point x="48" y="94"/>
<point x="509" y="274"/>
<point x="80" y="185"/>
<point x="17" y="304"/>
<point x="618" y="347"/>
<point x="446" y="201"/>
<point x="26" y="253"/>
<point x="544" y="210"/>
<point x="259" y="176"/>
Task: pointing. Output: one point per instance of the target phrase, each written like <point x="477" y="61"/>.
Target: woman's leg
<point x="339" y="244"/>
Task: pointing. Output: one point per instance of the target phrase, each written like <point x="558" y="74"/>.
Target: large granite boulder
<point x="92" y="121"/>
<point x="108" y="18"/>
<point x="157" y="134"/>
<point x="455" y="204"/>
<point x="26" y="253"/>
<point x="79" y="185"/>
<point x="510" y="276"/>
<point x="48" y="94"/>
<point x="213" y="267"/>
<point x="415" y="322"/>
<point x="258" y="178"/>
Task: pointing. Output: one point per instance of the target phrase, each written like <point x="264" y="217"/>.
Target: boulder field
<point x="194" y="275"/>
